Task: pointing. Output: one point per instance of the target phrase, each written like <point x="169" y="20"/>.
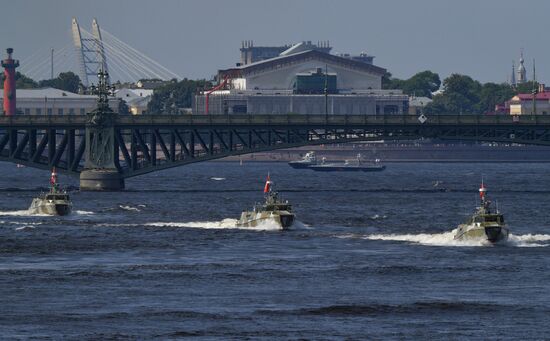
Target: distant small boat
<point x="309" y="159"/>
<point x="55" y="202"/>
<point x="485" y="224"/>
<point x="348" y="166"/>
<point x="273" y="210"/>
<point x="19" y="165"/>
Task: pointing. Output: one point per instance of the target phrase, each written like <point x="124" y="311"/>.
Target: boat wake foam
<point x="447" y="239"/>
<point x="130" y="208"/>
<point x="22" y="213"/>
<point x="529" y="240"/>
<point x="435" y="239"/>
<point x="224" y="224"/>
<point x="29" y="213"/>
<point x="80" y="212"/>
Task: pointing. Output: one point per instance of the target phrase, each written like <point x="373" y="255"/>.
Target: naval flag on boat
<point x="267" y="186"/>
<point x="482" y="191"/>
<point x="53" y="178"/>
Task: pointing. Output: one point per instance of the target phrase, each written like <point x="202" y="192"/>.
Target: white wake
<point x="529" y="240"/>
<point x="267" y="225"/>
<point x="22" y="213"/>
<point x="447" y="239"/>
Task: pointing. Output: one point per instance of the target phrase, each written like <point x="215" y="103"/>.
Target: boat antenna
<point x="326" y="90"/>
<point x="534" y="91"/>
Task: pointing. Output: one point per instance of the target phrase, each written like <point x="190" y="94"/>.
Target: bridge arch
<point x="144" y="144"/>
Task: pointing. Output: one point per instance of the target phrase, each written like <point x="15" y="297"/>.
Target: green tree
<point x="422" y="84"/>
<point x="461" y="94"/>
<point x="390" y="83"/>
<point x="67" y="81"/>
<point x="123" y="108"/>
<point x="493" y="94"/>
<point x="175" y="95"/>
<point x="21" y="81"/>
<point x="527" y="87"/>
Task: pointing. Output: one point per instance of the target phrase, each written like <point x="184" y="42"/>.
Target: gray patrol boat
<point x="274" y="210"/>
<point x="349" y="166"/>
<point x="485" y="224"/>
<point x="54" y="202"/>
<point x="309" y="159"/>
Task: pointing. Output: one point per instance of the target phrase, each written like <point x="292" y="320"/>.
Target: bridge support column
<point x="100" y="171"/>
<point x="101" y="180"/>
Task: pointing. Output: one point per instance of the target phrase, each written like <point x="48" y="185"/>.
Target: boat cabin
<point x="488" y="218"/>
<point x="57" y="196"/>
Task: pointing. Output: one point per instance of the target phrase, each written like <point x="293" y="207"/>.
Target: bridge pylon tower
<point x="90" y="52"/>
<point x="100" y="172"/>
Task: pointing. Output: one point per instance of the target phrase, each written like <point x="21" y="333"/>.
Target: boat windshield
<point x="57" y="197"/>
<point x="490" y="218"/>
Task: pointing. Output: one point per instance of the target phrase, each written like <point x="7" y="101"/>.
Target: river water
<point x="373" y="256"/>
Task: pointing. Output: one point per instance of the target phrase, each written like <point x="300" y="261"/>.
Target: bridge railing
<point x="44" y="120"/>
<point x="276" y="119"/>
<point x="321" y="119"/>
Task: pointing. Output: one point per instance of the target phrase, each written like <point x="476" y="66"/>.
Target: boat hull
<point x="491" y="233"/>
<point x="336" y="168"/>
<point x="40" y="206"/>
<point x="283" y="219"/>
<point x="300" y="165"/>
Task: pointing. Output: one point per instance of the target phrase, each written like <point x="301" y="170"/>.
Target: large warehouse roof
<point x="273" y="63"/>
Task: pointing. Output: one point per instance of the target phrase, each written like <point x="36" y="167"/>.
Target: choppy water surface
<point x="373" y="257"/>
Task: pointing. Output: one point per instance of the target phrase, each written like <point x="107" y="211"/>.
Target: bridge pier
<point x="100" y="172"/>
<point x="101" y="180"/>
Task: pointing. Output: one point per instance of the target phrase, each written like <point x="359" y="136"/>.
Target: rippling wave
<point x="428" y="307"/>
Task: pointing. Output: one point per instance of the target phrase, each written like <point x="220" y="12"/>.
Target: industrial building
<point x="301" y="79"/>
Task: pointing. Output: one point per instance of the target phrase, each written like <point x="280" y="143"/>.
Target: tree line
<point x="169" y="98"/>
<point x="460" y="93"/>
<point x="67" y="81"/>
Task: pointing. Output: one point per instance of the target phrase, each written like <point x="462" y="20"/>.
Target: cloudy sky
<point x="195" y="38"/>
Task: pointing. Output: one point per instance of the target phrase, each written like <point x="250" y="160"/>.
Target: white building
<point x="522" y="104"/>
<point x="417" y="104"/>
<point x="136" y="99"/>
<point x="50" y="101"/>
<point x="296" y="82"/>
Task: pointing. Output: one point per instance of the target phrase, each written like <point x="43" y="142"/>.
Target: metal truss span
<point x="144" y="144"/>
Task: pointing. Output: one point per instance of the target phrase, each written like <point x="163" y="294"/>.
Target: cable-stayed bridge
<point x="87" y="52"/>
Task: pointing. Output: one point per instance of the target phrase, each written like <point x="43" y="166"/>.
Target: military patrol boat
<point x="485" y="224"/>
<point x="348" y="166"/>
<point x="55" y="202"/>
<point x="273" y="210"/>
<point x="309" y="159"/>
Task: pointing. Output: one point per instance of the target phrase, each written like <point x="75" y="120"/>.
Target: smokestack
<point x="9" y="66"/>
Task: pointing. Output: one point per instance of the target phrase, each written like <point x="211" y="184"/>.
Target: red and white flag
<point x="482" y="191"/>
<point x="53" y="178"/>
<point x="267" y="187"/>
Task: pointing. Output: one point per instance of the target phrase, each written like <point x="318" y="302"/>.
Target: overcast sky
<point x="195" y="38"/>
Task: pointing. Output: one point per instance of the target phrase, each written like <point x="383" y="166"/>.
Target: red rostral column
<point x="9" y="66"/>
